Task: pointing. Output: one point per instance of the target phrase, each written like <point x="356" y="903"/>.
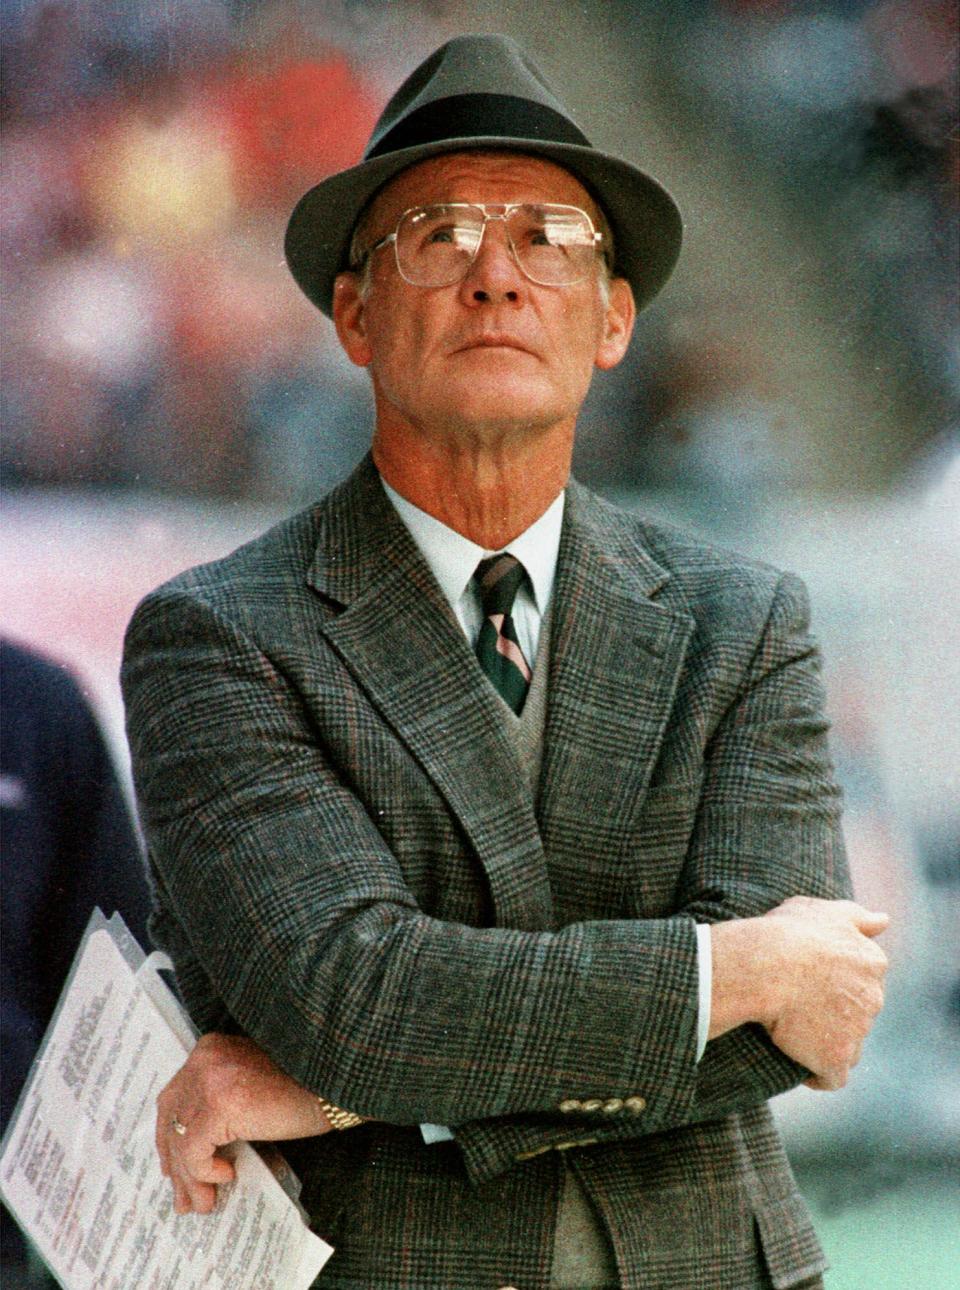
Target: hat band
<point x="465" y="116"/>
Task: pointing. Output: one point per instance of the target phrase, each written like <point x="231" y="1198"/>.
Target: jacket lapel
<point x="403" y="646"/>
<point x="617" y="654"/>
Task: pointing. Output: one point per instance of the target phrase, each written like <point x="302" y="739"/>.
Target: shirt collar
<point x="453" y="558"/>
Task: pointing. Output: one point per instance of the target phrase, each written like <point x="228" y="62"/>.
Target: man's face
<point x="494" y="353"/>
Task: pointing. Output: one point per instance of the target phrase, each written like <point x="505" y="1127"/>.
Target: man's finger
<point x="828" y="1082"/>
<point x="209" y="1168"/>
<point x="818" y="1084"/>
<point x="160" y="1140"/>
<point x="191" y="1194"/>
<point x="871" y="922"/>
<point x="193" y="1153"/>
<point x="181" y="1197"/>
<point x="202" y="1197"/>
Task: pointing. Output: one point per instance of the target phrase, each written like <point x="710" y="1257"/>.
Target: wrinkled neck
<point x="488" y="489"/>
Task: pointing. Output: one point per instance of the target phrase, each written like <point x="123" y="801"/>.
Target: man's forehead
<point x="480" y="176"/>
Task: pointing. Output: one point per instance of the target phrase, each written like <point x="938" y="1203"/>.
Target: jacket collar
<point x="360" y="538"/>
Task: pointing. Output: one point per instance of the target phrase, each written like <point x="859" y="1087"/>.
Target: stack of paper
<point x="78" y="1167"/>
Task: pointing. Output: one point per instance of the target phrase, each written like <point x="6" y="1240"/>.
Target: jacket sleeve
<point x="279" y="898"/>
<point x="767" y="828"/>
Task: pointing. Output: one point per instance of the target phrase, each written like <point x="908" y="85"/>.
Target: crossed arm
<point x="809" y="972"/>
<point x="806" y="973"/>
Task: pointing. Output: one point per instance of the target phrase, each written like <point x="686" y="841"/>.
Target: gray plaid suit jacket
<point x="349" y="868"/>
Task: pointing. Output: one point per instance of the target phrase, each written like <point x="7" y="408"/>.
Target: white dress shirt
<point x="453" y="560"/>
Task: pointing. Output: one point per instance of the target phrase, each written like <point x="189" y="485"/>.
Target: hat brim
<point x="647" y="227"/>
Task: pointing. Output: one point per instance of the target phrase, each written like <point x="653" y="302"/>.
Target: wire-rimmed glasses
<point x="554" y="245"/>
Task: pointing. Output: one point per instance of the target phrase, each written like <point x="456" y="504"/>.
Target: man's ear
<point x="618" y="320"/>
<point x="349" y="318"/>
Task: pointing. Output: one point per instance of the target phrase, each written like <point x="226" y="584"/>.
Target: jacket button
<point x="635" y="1105"/>
<point x="577" y="1142"/>
<point x="571" y="1104"/>
<point x="592" y="1104"/>
<point x="537" y="1151"/>
<point x="612" y="1105"/>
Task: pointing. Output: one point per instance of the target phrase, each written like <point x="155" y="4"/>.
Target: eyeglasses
<point x="554" y="246"/>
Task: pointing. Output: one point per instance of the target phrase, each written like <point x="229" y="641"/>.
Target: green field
<point x="887" y="1233"/>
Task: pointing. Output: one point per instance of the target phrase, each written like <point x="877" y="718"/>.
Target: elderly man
<point x="493" y="828"/>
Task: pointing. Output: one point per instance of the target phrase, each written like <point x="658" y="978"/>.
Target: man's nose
<point x="494" y="276"/>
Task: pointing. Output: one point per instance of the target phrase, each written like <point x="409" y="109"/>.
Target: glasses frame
<point x="505" y="209"/>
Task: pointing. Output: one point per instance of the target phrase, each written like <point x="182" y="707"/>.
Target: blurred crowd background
<point x="153" y="152"/>
<point x="167" y="393"/>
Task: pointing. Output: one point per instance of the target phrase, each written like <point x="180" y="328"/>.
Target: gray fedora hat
<point x="482" y="92"/>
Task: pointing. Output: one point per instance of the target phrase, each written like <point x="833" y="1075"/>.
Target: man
<point x="444" y="839"/>
<point x="68" y="844"/>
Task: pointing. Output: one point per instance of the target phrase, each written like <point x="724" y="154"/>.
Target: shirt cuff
<point x="436" y="1133"/>
<point x="705" y="969"/>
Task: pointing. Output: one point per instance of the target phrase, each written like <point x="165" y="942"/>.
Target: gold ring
<point x="178" y="1127"/>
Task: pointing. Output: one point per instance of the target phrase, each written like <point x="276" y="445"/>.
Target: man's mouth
<point x="496" y="340"/>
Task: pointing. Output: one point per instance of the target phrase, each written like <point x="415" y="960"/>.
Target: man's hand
<point x="832" y="986"/>
<point x="810" y="973"/>
<point x="228" y="1089"/>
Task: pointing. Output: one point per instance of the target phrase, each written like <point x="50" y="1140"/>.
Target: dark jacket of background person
<point x="68" y="844"/>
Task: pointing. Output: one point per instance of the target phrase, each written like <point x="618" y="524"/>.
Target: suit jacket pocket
<point x="330" y="1169"/>
<point x="790" y="1246"/>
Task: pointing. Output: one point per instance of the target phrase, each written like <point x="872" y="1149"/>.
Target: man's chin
<point x="491" y="426"/>
<point x="506" y="410"/>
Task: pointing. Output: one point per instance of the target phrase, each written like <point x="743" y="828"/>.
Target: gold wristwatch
<point x="338" y="1117"/>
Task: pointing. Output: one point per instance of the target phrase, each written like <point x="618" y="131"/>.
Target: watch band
<point x="338" y="1117"/>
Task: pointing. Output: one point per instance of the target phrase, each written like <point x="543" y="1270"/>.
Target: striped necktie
<point x="499" y="578"/>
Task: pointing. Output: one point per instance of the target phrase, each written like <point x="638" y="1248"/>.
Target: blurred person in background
<point x="498" y="816"/>
<point x="68" y="845"/>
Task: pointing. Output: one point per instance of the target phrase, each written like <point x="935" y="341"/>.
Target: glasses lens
<point x="555" y="245"/>
<point x="436" y="244"/>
